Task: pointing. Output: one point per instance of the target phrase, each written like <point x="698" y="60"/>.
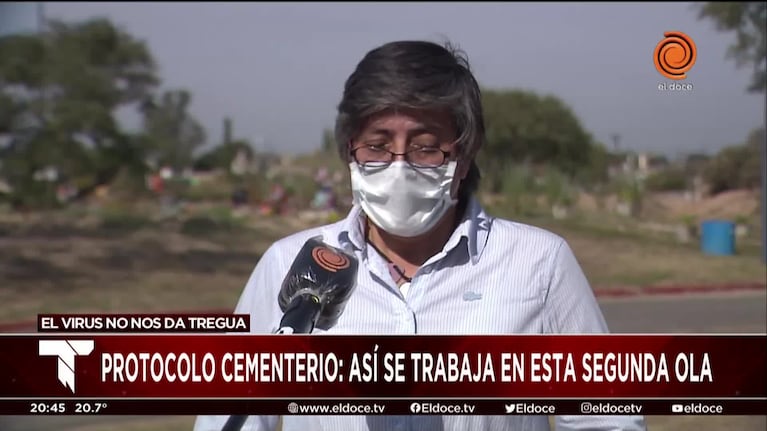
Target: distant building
<point x="241" y="163"/>
<point x="648" y="164"/>
<point x="637" y="165"/>
<point x="622" y="164"/>
<point x="263" y="163"/>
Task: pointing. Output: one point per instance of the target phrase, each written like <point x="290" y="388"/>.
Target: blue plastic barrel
<point x="718" y="237"/>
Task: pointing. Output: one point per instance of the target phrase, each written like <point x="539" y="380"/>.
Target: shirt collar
<point x="475" y="227"/>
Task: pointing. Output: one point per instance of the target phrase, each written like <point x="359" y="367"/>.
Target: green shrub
<point x="672" y="179"/>
<point x="736" y="167"/>
<point x="558" y="189"/>
<point x="213" y="190"/>
<point x="301" y="189"/>
<point x="123" y="220"/>
<point x="217" y="219"/>
<point x="520" y="191"/>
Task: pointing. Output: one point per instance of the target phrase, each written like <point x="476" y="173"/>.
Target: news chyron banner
<point x="209" y="364"/>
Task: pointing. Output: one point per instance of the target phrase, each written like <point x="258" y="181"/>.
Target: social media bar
<point x="382" y="406"/>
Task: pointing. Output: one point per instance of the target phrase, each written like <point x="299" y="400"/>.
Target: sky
<point x="278" y="69"/>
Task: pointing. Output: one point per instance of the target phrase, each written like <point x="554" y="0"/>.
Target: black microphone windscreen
<point x="324" y="271"/>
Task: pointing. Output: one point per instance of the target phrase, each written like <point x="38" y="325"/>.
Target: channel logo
<point x="675" y="55"/>
<point x="66" y="351"/>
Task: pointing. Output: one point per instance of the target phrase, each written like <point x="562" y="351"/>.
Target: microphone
<point x="313" y="295"/>
<point x="317" y="287"/>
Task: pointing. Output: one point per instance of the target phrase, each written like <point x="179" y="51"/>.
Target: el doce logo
<point x="675" y="55"/>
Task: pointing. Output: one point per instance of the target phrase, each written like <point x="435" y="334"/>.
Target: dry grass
<point x="615" y="251"/>
<point x="150" y="269"/>
<point x="729" y="205"/>
<point x="68" y="267"/>
<point x="616" y="260"/>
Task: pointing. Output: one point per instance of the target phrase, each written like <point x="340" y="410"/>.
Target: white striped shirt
<point x="493" y="276"/>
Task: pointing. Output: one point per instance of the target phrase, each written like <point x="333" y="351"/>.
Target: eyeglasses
<point x="379" y="157"/>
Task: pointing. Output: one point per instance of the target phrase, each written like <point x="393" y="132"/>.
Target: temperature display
<point x="89" y="408"/>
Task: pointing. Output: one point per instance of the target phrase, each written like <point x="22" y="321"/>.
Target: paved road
<point x="736" y="313"/>
<point x="733" y="313"/>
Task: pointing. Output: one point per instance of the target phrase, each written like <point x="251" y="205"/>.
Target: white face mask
<point x="401" y="199"/>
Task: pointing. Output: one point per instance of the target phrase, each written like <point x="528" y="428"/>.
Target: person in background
<point x="322" y="176"/>
<point x="323" y="195"/>
<point x="239" y="196"/>
<point x="432" y="261"/>
<point x="275" y="200"/>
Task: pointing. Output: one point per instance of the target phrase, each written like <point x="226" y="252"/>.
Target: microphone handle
<point x="301" y="315"/>
<point x="299" y="318"/>
<point x="235" y="423"/>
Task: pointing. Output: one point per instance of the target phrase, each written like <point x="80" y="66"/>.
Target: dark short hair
<point x="415" y="75"/>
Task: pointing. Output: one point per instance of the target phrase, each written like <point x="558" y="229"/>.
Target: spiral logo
<point x="675" y="55"/>
<point x="293" y="408"/>
<point x="329" y="259"/>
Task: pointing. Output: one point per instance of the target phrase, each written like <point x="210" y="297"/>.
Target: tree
<point x="221" y="156"/>
<point x="522" y="126"/>
<point x="672" y="178"/>
<point x="329" y="141"/>
<point x="58" y="95"/>
<point x="749" y="22"/>
<point x="172" y="133"/>
<point x="596" y="171"/>
<point x="227" y="138"/>
<point x="736" y="167"/>
<point x="695" y="164"/>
